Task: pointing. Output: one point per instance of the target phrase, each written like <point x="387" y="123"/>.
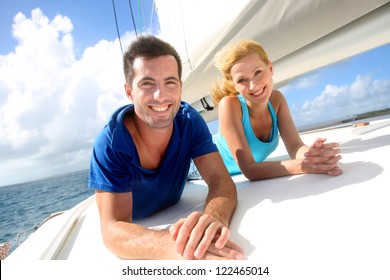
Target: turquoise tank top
<point x="260" y="150"/>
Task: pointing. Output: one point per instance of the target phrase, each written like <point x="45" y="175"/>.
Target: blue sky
<point x="355" y="85"/>
<point x="92" y="20"/>
<point x="61" y="78"/>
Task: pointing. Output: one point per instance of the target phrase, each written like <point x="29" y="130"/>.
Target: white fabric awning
<point x="299" y="36"/>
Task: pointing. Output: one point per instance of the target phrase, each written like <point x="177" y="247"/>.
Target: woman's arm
<point x="301" y="162"/>
<point x="319" y="157"/>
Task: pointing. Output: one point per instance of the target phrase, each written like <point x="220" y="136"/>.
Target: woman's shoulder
<point x="229" y="107"/>
<point x="229" y="101"/>
<point x="277" y="98"/>
<point x="276" y="94"/>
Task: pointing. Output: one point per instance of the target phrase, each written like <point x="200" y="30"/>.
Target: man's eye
<point x="171" y="84"/>
<point x="147" y="84"/>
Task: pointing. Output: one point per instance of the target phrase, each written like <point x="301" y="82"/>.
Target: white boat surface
<point x="317" y="221"/>
<point x="342" y="221"/>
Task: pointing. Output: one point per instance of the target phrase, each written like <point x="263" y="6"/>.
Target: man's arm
<point x="126" y="239"/>
<point x="132" y="241"/>
<point x="194" y="234"/>
<point x="222" y="197"/>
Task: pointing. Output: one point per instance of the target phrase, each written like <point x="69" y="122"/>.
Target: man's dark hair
<point x="147" y="46"/>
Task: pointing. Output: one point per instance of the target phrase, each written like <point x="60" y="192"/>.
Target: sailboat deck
<point x="313" y="220"/>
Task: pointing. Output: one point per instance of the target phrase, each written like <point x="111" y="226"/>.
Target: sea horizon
<point x="24" y="206"/>
<point x="44" y="178"/>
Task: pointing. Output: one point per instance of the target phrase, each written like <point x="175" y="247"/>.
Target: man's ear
<point x="128" y="92"/>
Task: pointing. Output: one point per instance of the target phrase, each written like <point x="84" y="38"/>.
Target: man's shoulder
<point x="185" y="107"/>
<point x="113" y="125"/>
<point x="119" y="113"/>
<point x="116" y="118"/>
<point x="186" y="111"/>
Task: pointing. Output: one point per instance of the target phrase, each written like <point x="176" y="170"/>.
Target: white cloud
<point x="304" y="83"/>
<point x="335" y="102"/>
<point x="51" y="104"/>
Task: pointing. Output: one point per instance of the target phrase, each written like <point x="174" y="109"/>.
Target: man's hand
<point x="201" y="236"/>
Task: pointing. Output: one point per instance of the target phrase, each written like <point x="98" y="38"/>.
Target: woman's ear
<point x="271" y="67"/>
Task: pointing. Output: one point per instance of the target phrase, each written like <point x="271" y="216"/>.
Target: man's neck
<point x="151" y="142"/>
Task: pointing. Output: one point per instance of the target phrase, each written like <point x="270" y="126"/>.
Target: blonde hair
<point x="224" y="61"/>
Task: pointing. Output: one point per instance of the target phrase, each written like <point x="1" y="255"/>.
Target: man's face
<point x="156" y="90"/>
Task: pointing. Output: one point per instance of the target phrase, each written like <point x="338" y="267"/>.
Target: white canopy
<point x="299" y="36"/>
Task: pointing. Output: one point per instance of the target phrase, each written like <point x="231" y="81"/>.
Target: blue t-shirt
<point x="115" y="164"/>
<point x="260" y="150"/>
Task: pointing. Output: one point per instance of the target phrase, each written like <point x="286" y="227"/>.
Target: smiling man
<point x="140" y="163"/>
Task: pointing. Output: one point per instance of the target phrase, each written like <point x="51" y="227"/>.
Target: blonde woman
<point x="251" y="113"/>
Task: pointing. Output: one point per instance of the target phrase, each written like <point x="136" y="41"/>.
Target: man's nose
<point x="158" y="93"/>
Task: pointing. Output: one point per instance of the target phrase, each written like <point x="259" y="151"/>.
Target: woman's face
<point x="252" y="77"/>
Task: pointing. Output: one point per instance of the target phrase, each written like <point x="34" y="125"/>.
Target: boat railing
<point x="6" y="246"/>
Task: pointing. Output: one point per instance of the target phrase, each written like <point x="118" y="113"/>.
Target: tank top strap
<point x="244" y="107"/>
<point x="245" y="114"/>
<point x="274" y="128"/>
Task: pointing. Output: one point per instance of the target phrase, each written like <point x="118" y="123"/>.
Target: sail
<point x="299" y="36"/>
<point x="192" y="26"/>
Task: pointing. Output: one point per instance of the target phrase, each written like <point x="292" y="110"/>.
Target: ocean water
<point x="24" y="206"/>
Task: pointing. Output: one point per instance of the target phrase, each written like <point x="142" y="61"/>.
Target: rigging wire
<point x="143" y="17"/>
<point x="140" y="10"/>
<point x="116" y="23"/>
<point x="184" y="38"/>
<point x="132" y="17"/>
<point x="151" y="17"/>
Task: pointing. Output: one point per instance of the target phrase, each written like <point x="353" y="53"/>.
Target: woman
<point x="251" y="112"/>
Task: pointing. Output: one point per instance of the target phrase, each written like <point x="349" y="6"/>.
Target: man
<point x="140" y="163"/>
